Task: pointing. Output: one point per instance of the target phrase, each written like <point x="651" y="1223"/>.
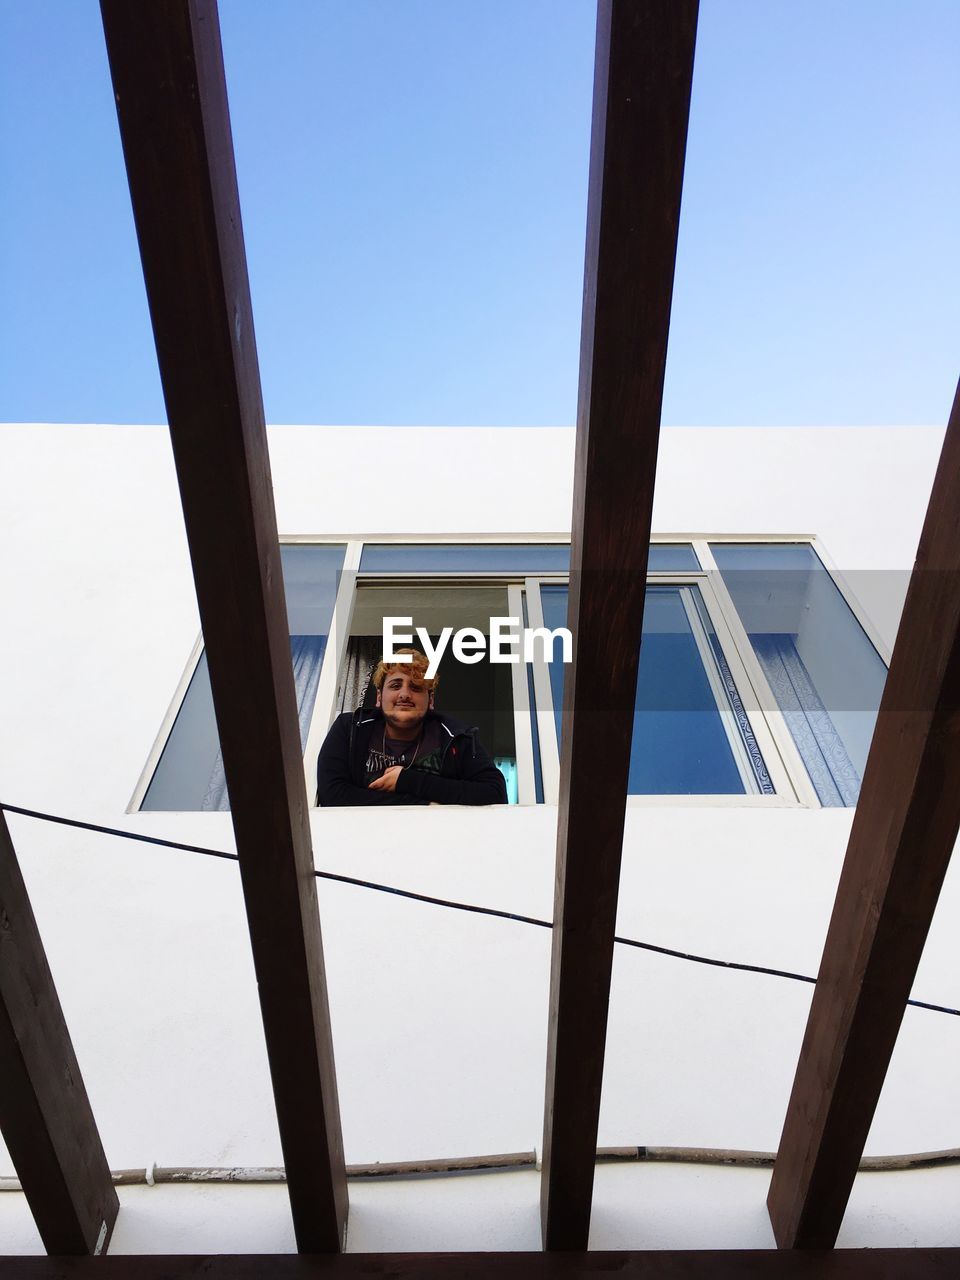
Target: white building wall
<point x="439" y="1017"/>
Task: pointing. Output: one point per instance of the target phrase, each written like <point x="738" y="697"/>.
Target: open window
<point x="478" y="694"/>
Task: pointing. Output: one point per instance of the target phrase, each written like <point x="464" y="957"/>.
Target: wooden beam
<point x="642" y="77"/>
<point x="45" y="1115"/>
<point x="660" y="1264"/>
<point x="903" y="833"/>
<point x="168" y="79"/>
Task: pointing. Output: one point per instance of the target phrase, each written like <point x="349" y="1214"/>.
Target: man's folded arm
<point x="340" y="792"/>
<point x="483" y="784"/>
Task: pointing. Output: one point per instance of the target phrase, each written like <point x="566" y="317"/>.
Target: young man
<point x="403" y="751"/>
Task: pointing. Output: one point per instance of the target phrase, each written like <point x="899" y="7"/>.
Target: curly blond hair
<point x="417" y="665"/>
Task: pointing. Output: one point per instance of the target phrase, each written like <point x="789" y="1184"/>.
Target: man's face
<point x="404" y="699"/>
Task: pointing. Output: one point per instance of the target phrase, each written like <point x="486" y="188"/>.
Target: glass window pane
<point x="686" y="736"/>
<point x="672" y="557"/>
<point x="523" y="558"/>
<point x="189" y="775"/>
<point x="181" y="777"/>
<point x="311" y="577"/>
<point x="474" y="557"/>
<point x="825" y="674"/>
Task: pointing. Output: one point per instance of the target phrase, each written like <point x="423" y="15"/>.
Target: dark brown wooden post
<point x="45" y="1115"/>
<point x="903" y="834"/>
<point x="642" y="78"/>
<point x="168" y="79"/>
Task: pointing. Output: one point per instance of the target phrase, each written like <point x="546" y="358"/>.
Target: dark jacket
<point x="467" y="774"/>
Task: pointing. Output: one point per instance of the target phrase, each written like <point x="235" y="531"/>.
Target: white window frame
<point x="327" y="685"/>
<point x="511" y="583"/>
<point x="727" y="718"/>
<point x="522" y="732"/>
<point x="762" y="703"/>
<point x="792" y="784"/>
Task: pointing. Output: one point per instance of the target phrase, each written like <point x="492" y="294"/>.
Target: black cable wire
<point x="445" y="902"/>
<point x="115" y="831"/>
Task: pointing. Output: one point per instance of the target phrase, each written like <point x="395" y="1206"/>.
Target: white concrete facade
<point x="439" y="1017"/>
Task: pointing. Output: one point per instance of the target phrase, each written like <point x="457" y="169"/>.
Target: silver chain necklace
<point x="383" y="747"/>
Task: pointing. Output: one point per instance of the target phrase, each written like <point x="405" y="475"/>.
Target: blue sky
<point x="413" y="183"/>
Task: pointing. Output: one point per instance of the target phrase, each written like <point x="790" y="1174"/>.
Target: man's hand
<point x="388" y="780"/>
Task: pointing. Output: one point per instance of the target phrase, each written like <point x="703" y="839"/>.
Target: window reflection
<point x="825" y="675"/>
<point x="691" y="735"/>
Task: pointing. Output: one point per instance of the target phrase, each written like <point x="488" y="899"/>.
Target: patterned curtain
<point x="363" y="654"/>
<point x="833" y="773"/>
